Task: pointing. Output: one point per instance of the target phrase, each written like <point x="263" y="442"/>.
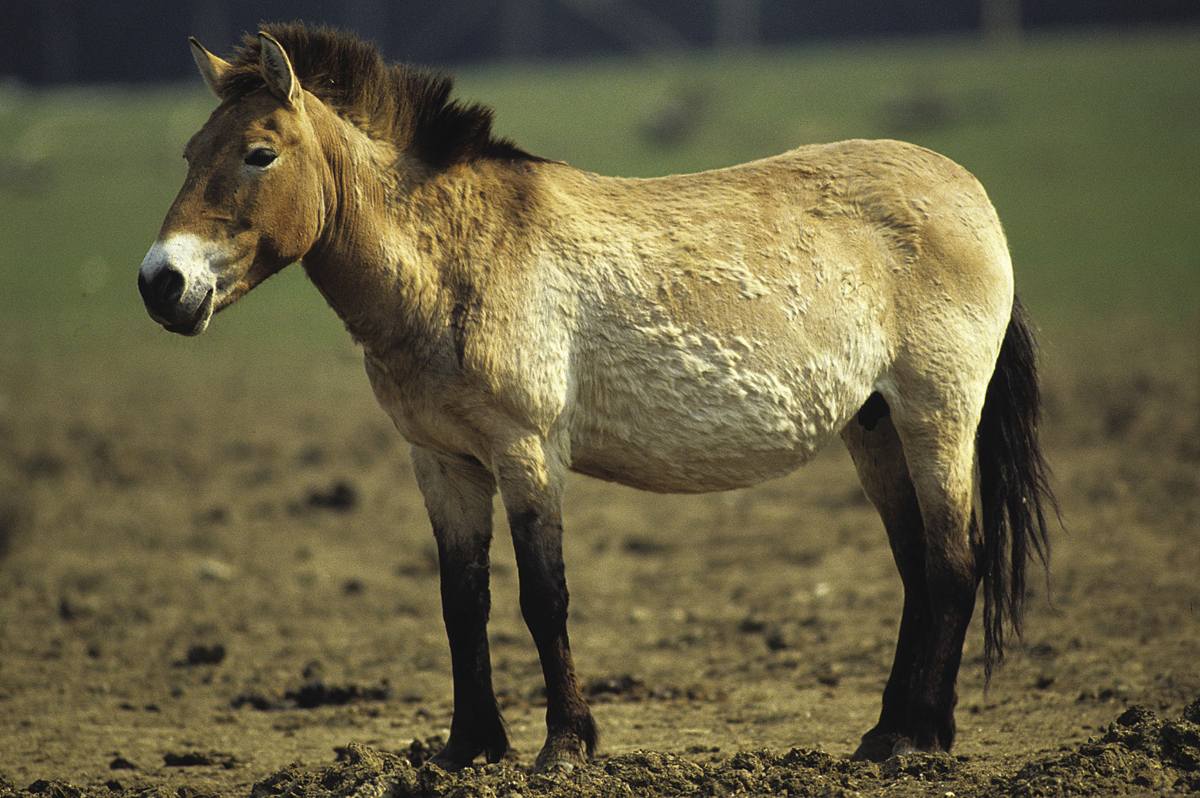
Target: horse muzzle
<point x="178" y="293"/>
<point x="175" y="316"/>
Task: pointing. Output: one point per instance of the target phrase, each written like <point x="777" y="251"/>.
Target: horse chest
<point x="419" y="409"/>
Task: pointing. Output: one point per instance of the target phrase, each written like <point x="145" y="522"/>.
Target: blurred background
<point x="1082" y="119"/>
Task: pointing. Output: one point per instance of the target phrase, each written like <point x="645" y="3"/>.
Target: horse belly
<point x="687" y="412"/>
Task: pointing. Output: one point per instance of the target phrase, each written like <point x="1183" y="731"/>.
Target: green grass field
<point x="1089" y="145"/>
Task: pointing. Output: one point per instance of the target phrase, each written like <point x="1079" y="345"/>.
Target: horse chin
<point x="196" y="322"/>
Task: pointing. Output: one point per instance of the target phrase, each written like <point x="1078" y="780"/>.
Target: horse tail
<point x="1014" y="484"/>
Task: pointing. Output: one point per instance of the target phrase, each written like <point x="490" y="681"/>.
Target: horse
<point x="520" y="318"/>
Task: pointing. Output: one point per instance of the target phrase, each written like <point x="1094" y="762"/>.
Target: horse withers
<point x="520" y="318"/>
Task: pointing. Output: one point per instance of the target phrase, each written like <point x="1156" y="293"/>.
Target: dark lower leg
<point x="570" y="730"/>
<point x="934" y="695"/>
<point x="931" y="541"/>
<point x="883" y="470"/>
<point x="881" y="741"/>
<point x="477" y="727"/>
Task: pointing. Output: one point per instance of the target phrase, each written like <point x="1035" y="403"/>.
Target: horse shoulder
<point x="514" y="338"/>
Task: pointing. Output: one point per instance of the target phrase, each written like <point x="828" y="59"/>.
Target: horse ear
<point x="211" y="68"/>
<point x="277" y="69"/>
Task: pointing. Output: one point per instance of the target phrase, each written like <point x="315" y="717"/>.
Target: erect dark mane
<point x="404" y="104"/>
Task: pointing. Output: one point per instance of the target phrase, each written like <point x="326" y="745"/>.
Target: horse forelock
<point x="406" y="105"/>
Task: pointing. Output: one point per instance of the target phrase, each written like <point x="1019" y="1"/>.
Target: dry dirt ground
<point x="216" y="578"/>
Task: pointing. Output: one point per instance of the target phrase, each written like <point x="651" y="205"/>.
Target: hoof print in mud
<point x="191" y="759"/>
<point x="340" y="497"/>
<point x="202" y="654"/>
<point x="312" y="694"/>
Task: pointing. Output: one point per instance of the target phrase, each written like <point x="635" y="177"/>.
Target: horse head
<point x="252" y="201"/>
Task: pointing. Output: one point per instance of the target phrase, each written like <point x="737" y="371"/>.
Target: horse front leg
<point x="458" y="495"/>
<point x="532" y="491"/>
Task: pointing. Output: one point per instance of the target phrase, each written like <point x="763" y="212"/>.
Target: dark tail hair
<point x="1014" y="484"/>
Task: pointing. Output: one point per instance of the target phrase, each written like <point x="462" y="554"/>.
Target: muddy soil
<point x="216" y="578"/>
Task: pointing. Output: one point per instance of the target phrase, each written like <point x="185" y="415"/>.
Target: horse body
<point x="521" y="318"/>
<point x="710" y="350"/>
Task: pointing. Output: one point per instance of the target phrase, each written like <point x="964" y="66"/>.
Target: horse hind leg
<point x="879" y="459"/>
<point x="928" y="527"/>
<point x="940" y="451"/>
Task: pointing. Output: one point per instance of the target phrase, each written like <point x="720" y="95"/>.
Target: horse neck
<point x="396" y="256"/>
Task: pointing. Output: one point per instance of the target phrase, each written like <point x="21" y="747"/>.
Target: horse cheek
<point x="310" y="219"/>
<point x="293" y="230"/>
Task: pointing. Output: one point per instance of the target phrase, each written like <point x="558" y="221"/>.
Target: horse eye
<point x="260" y="157"/>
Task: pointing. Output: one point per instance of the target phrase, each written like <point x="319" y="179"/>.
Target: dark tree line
<point x="57" y="41"/>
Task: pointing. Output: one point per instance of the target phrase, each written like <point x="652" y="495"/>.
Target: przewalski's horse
<point x="521" y="318"/>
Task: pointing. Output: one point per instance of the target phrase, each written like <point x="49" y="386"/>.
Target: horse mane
<point x="404" y="104"/>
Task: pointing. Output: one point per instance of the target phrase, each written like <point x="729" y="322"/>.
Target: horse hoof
<point x="562" y="767"/>
<point x="560" y="757"/>
<point x="875" y="748"/>
<point x="448" y="761"/>
<point x="444" y="765"/>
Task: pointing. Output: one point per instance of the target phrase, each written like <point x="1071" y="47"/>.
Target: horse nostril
<point x="164" y="289"/>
